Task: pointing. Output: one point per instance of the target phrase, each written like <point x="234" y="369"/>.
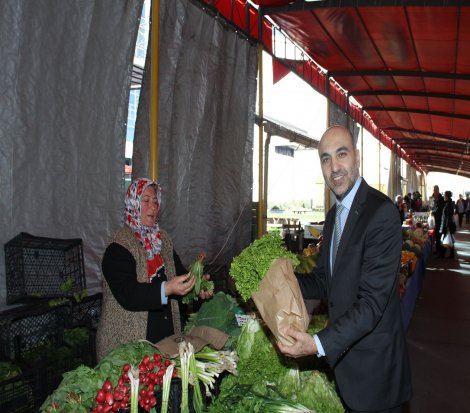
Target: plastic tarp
<point x="66" y="72"/>
<point x="207" y="96"/>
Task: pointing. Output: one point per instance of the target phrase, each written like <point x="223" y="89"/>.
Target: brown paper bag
<point x="280" y="301"/>
<point x="198" y="336"/>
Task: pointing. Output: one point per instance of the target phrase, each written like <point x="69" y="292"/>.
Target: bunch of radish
<point x="151" y="372"/>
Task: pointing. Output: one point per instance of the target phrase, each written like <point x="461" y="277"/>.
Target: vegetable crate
<point x="86" y="312"/>
<point x="43" y="267"/>
<point x="220" y="277"/>
<point x="26" y="330"/>
<point x="16" y="390"/>
<point x="174" y="402"/>
<point x="48" y="371"/>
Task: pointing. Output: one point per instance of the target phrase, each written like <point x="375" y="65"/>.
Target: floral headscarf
<point x="148" y="236"/>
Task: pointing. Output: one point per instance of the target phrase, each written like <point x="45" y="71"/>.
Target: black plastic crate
<point x="42" y="267"/>
<point x="219" y="276"/>
<point x="86" y="312"/>
<point x="49" y="367"/>
<point x="17" y="391"/>
<point x="28" y="329"/>
<point x="174" y="400"/>
<point x="48" y="371"/>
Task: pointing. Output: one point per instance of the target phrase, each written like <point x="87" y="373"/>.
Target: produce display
<point x="268" y="382"/>
<point x="414" y="240"/>
<point x="134" y="375"/>
<point x="219" y="312"/>
<point x="246" y="374"/>
<point x="79" y="390"/>
<point x="308" y="260"/>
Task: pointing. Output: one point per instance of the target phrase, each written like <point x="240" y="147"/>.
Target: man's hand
<point x="304" y="344"/>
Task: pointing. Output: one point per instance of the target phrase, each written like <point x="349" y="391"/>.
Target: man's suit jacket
<point x="365" y="339"/>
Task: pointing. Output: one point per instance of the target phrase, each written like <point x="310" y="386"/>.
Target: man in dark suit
<point x="364" y="341"/>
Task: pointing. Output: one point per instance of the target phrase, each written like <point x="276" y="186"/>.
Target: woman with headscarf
<point x="447" y="224"/>
<point x="143" y="276"/>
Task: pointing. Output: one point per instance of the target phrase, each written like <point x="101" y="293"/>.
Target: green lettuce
<point x="250" y="266"/>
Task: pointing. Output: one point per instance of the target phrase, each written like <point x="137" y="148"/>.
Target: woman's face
<point x="149" y="207"/>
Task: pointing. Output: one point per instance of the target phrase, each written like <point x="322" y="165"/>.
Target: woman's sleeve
<point x="119" y="270"/>
<point x="179" y="267"/>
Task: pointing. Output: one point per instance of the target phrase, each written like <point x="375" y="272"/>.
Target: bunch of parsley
<point x="250" y="267"/>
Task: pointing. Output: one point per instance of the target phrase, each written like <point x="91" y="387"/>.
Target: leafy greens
<point x="251" y="265"/>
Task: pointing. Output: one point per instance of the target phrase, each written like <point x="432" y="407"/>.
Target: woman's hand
<point x="180" y="285"/>
<point x="205" y="294"/>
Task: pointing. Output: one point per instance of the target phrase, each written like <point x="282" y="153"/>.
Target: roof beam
<point x="277" y="129"/>
<point x="408" y="93"/>
<point x="421" y="111"/>
<point x="400" y="73"/>
<point x="431" y="161"/>
<point x="453" y="148"/>
<point x="302" y="5"/>
<point x="422" y="132"/>
<point x="450" y="171"/>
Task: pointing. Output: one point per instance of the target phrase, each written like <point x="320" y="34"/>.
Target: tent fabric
<point x="65" y="85"/>
<point x="207" y="96"/>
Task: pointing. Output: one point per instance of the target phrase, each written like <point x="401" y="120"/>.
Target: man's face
<point x="339" y="161"/>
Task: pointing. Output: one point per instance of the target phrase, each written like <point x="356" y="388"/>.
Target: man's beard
<point x="353" y="173"/>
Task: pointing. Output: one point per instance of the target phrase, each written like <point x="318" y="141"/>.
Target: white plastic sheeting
<point x="207" y="95"/>
<point x="66" y="70"/>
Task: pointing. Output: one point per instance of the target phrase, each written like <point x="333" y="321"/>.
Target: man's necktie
<point x="337" y="234"/>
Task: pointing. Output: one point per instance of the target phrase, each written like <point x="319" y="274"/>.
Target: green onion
<point x="134" y="378"/>
<point x="184" y="357"/>
<point x="278" y="405"/>
<point x="166" y="387"/>
<point x="197" y="396"/>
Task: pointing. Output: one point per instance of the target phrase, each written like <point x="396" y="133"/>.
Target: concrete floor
<point x="439" y="334"/>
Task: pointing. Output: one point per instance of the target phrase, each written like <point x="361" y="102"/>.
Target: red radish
<point x="109" y="399"/>
<point x="100" y="396"/>
<point x="107" y="385"/>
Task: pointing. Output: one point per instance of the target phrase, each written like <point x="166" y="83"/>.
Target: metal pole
<point x="266" y="174"/>
<point x="380" y="169"/>
<point x="155" y="29"/>
<point x="326" y="191"/>
<point x="261" y="200"/>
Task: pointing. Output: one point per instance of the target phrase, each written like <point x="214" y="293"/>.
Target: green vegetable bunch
<point x="268" y="382"/>
<point x="76" y="393"/>
<point x="250" y="267"/>
<point x="217" y="312"/>
<point x="197" y="270"/>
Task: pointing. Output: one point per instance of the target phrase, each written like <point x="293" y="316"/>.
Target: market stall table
<point x="414" y="284"/>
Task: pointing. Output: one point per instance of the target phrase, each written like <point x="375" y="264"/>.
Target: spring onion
<point x="134" y="378"/>
<point x="184" y="371"/>
<point x="166" y="387"/>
